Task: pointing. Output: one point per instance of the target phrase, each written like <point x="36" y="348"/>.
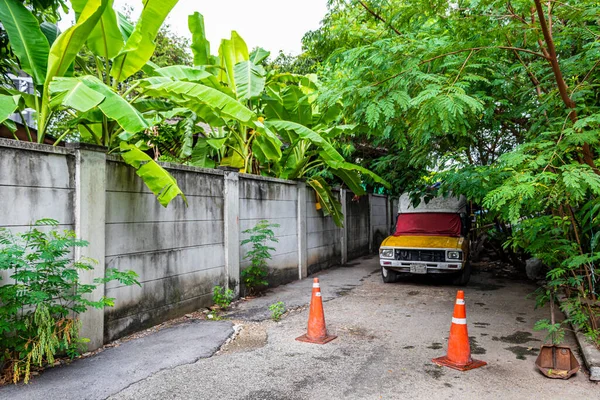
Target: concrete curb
<point x="589" y="352"/>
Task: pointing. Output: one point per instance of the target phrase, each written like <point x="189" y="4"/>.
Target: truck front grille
<point x="420" y="255"/>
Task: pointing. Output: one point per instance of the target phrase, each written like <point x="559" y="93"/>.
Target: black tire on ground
<point x="388" y="275"/>
<point x="463" y="277"/>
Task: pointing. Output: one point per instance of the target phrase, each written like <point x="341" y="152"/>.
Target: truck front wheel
<point x="463" y="277"/>
<point x="388" y="275"/>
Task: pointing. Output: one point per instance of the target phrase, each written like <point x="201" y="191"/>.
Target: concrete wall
<point x="380" y="220"/>
<point x="357" y="221"/>
<point x="276" y="201"/>
<point x="180" y="252"/>
<point x="177" y="251"/>
<point x="36" y="181"/>
<point x="324" y="244"/>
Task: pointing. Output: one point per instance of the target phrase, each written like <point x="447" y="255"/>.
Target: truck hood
<point x="424" y="242"/>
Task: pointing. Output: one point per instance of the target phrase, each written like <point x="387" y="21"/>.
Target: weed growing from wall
<point x="254" y="276"/>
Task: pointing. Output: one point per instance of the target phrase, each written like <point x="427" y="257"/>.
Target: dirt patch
<point x="359" y="332"/>
<point x="344" y="291"/>
<point x="522" y="352"/>
<point x="475" y="348"/>
<point x="518" y="337"/>
<point x="435" y="346"/>
<point x="250" y="336"/>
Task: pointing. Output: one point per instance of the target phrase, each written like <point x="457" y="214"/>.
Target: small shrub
<point x="38" y="311"/>
<point x="277" y="310"/>
<point x="254" y="275"/>
<point x="222" y="297"/>
<point x="214" y="315"/>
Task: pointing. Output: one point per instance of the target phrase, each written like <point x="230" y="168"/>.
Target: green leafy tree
<point x="495" y="99"/>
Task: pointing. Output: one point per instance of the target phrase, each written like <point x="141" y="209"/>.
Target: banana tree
<point x="103" y="110"/>
<point x="253" y="115"/>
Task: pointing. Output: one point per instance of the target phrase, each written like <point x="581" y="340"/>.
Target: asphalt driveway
<point x="387" y="336"/>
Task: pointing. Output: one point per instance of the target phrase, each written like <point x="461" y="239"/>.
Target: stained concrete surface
<point x="387" y="336"/>
<point x="116" y="368"/>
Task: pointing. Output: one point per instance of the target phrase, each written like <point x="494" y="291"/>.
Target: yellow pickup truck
<point x="431" y="238"/>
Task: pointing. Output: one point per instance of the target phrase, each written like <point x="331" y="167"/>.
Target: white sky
<point x="272" y="24"/>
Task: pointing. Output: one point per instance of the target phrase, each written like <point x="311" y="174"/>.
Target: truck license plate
<point x="418" y="268"/>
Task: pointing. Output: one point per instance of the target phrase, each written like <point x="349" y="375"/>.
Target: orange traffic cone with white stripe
<point x="317" y="332"/>
<point x="459" y="350"/>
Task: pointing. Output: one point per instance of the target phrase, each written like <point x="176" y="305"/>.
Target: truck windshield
<point x="428" y="224"/>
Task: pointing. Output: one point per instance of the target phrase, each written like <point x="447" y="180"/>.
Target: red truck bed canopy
<point x="428" y="224"/>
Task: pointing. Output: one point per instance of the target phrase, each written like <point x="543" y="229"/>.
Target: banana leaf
<point x="330" y="205"/>
<point x="268" y="142"/>
<point x="231" y="52"/>
<point x="336" y="165"/>
<point x="113" y="105"/>
<point x="140" y="45"/>
<point x="8" y="105"/>
<point x="74" y="93"/>
<point x="105" y="40"/>
<point x="125" y="27"/>
<point x="305" y="133"/>
<point x="258" y="55"/>
<point x="26" y="39"/>
<point x="249" y="80"/>
<point x="181" y="92"/>
<point x="158" y="179"/>
<point x="200" y="46"/>
<point x="202" y="155"/>
<point x="192" y="74"/>
<point x="29" y="99"/>
<point x="67" y="45"/>
<point x="51" y="32"/>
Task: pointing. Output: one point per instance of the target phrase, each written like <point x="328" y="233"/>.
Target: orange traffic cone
<point x="459" y="350"/>
<point x="317" y="332"/>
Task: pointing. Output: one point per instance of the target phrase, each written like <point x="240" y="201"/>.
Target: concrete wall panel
<point x="159" y="300"/>
<point x="275" y="201"/>
<point x="177" y="251"/>
<point x="149" y="237"/>
<point x="358" y="225"/>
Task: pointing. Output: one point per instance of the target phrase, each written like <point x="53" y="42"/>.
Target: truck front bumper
<point x="430" y="267"/>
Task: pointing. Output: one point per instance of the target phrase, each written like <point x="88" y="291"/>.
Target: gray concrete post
<point x="344" y="235"/>
<point x="302" y="232"/>
<point x="231" y="216"/>
<point x="89" y="210"/>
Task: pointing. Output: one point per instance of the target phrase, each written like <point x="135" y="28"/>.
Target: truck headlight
<point x="386" y="253"/>
<point x="454" y="255"/>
